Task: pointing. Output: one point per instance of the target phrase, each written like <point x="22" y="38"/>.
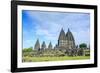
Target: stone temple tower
<point x="66" y="40"/>
<point x="43" y="46"/>
<point x="62" y="40"/>
<point x="70" y="39"/>
<point x="37" y="45"/>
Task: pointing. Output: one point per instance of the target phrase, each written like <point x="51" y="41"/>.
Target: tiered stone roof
<point x="69" y="36"/>
<point x="43" y="46"/>
<point x="62" y="35"/>
<point x="37" y="45"/>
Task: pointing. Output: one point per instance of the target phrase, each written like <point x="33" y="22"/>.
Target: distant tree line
<point x="28" y="49"/>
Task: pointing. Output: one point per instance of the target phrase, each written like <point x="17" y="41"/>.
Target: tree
<point x="83" y="45"/>
<point x="28" y="49"/>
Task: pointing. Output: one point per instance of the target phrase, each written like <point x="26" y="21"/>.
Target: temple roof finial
<point x="62" y="29"/>
<point x="68" y="30"/>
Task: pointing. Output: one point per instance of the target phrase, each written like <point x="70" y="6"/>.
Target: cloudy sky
<point x="46" y="26"/>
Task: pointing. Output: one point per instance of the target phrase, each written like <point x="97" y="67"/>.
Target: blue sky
<point x="46" y="26"/>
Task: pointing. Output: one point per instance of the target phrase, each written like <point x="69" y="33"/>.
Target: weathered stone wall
<point x="57" y="52"/>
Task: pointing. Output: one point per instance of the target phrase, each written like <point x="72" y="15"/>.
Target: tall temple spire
<point x="37" y="45"/>
<point x="50" y="45"/>
<point x="62" y="35"/>
<point x="43" y="46"/>
<point x="69" y="35"/>
<point x="70" y="38"/>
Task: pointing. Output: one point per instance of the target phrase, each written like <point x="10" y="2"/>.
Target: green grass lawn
<point x="41" y="59"/>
